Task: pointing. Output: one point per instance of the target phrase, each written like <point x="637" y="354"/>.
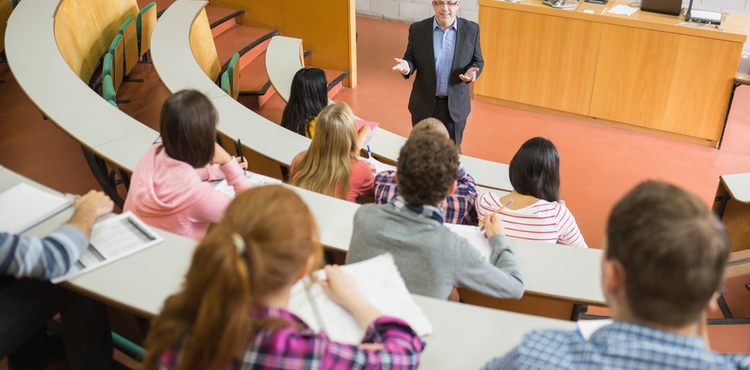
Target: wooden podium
<point x="647" y="72"/>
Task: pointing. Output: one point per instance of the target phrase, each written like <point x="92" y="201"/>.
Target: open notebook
<point x="24" y="206"/>
<point x="475" y="237"/>
<point x="112" y="239"/>
<point x="378" y="281"/>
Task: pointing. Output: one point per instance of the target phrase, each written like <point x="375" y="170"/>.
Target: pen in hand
<point x="239" y="152"/>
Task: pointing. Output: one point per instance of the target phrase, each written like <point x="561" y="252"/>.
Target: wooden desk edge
<point x="627" y="21"/>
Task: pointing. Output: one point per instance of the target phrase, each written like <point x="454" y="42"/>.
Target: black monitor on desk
<point x="671" y="7"/>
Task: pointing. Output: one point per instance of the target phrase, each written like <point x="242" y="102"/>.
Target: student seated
<point x="27" y="302"/>
<point x="309" y="95"/>
<point x="662" y="266"/>
<point x="231" y="312"/>
<point x="331" y="165"/>
<point x="536" y="212"/>
<point x="432" y="259"/>
<point x="168" y="188"/>
<point x="458" y="208"/>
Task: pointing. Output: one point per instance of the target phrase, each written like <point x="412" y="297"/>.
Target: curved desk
<point x="284" y="59"/>
<point x="140" y="283"/>
<point x="60" y="94"/>
<point x="552" y="271"/>
<point x="732" y="205"/>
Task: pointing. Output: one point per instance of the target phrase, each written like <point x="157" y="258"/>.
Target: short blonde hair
<point x="431" y="125"/>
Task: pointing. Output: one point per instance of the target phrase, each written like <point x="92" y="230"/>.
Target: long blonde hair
<point x="210" y="319"/>
<point x="327" y="165"/>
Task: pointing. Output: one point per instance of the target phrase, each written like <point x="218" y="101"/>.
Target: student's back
<point x="168" y="188"/>
<point x="429" y="256"/>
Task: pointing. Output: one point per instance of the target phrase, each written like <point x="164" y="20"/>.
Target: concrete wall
<point x="414" y="10"/>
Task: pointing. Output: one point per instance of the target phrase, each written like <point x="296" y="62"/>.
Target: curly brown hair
<point x="427" y="166"/>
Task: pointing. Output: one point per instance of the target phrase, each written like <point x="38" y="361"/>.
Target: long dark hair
<point x="535" y="170"/>
<point x="308" y="97"/>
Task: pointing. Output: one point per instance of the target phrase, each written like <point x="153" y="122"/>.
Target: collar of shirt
<point x="425" y="211"/>
<point x="436" y="25"/>
<point x="645" y="334"/>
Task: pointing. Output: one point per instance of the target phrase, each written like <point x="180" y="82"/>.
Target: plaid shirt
<point x="618" y="346"/>
<point x="290" y="348"/>
<point x="458" y="207"/>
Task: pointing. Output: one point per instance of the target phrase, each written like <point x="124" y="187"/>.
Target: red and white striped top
<point x="542" y="221"/>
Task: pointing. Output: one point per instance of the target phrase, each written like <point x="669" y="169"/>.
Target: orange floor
<point x="598" y="164"/>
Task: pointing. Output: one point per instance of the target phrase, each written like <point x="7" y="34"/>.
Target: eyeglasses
<point x="440" y="4"/>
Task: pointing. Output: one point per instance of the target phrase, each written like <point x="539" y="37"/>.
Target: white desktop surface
<point x="738" y="186"/>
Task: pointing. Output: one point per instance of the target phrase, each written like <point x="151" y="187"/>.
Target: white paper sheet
<point x="588" y="327"/>
<point x="623" y="10"/>
<point x="255" y="180"/>
<point x="23" y="206"/>
<point x="112" y="239"/>
<point x="379" y="282"/>
<point x="475" y="237"/>
<point x="380" y="166"/>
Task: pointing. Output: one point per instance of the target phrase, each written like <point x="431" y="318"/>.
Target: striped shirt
<point x="292" y="348"/>
<point x="542" y="221"/>
<point x="621" y="346"/>
<point x="23" y="256"/>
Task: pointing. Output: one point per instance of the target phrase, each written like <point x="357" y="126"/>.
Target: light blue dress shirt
<point x="619" y="346"/>
<point x="444" y="43"/>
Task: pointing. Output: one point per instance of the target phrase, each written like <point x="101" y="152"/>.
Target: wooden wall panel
<point x="203" y="47"/>
<point x="666" y="81"/>
<point x="87" y="28"/>
<point x="538" y="59"/>
<point x="6" y="7"/>
<point x="258" y="13"/>
<point x="327" y="27"/>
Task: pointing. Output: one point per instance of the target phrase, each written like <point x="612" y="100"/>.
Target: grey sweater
<point x="431" y="259"/>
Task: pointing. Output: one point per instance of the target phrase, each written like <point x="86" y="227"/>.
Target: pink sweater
<point x="173" y="196"/>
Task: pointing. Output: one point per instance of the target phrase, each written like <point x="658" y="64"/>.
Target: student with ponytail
<point x="331" y="166"/>
<point x="231" y="312"/>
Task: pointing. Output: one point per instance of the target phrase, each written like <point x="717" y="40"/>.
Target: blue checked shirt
<point x="458" y="208"/>
<point x="443" y="44"/>
<point x="619" y="346"/>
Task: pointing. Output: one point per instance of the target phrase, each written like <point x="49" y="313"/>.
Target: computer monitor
<point x="671" y="7"/>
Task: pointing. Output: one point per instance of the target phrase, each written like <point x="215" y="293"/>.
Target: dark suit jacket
<point x="421" y="57"/>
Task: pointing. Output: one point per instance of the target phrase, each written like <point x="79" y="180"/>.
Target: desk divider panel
<point x="328" y="28"/>
<point x="204" y="49"/>
<point x="85" y="29"/>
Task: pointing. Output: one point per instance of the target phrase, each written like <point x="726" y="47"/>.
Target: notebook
<point x="253" y="178"/>
<point x="113" y="239"/>
<point x="24" y="206"/>
<point x="378" y="281"/>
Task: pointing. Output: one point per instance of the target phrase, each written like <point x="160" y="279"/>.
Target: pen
<point x="239" y="151"/>
<point x="369" y="153"/>
<point x="494" y="213"/>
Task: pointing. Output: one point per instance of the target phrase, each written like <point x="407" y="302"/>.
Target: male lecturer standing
<point x="446" y="51"/>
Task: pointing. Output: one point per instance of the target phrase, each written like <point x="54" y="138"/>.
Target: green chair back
<point x="225" y="83"/>
<point x="108" y="89"/>
<point x="107" y="65"/>
<point x="130" y="45"/>
<point x="234" y="75"/>
<point x="117" y="61"/>
<point x="144" y="26"/>
<point x="127" y="347"/>
<point x="15" y="3"/>
<point x="113" y="103"/>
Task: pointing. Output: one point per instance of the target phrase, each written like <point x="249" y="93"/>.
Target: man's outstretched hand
<point x="402" y="66"/>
